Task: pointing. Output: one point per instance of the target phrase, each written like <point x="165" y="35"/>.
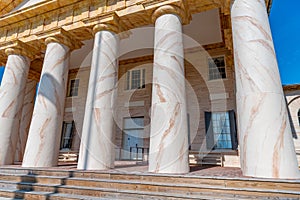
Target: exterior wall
<point x="293" y="102"/>
<point x="202" y="95"/>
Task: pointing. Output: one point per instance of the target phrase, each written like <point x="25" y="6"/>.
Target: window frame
<point x="63" y="135"/>
<point x="129" y="79"/>
<point x="75" y="88"/>
<point x="210" y="140"/>
<point x="215" y="66"/>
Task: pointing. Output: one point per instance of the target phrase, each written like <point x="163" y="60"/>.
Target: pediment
<point x="15" y="5"/>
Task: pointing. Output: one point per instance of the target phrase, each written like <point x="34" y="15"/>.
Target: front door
<point x="133" y="138"/>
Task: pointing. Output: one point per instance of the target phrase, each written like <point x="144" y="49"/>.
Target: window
<point x="216" y="68"/>
<point x="67" y="135"/>
<point x="73" y="88"/>
<point x="220" y="130"/>
<point x="135" y="79"/>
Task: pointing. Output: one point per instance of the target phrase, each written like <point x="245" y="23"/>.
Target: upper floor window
<point x="216" y="68"/>
<point x="220" y="130"/>
<point x="73" y="88"/>
<point x="135" y="79"/>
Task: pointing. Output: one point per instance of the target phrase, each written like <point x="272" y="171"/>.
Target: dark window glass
<point x="220" y="130"/>
<point x="73" y="88"/>
<point x="67" y="135"/>
<point x="216" y="68"/>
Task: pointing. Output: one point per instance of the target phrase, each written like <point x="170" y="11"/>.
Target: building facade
<point x="143" y="80"/>
<point x="292" y="95"/>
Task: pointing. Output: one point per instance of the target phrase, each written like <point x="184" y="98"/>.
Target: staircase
<point x="58" y="184"/>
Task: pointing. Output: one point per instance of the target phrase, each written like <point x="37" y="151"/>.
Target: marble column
<point x="12" y="93"/>
<point x="97" y="143"/>
<point x="168" y="135"/>
<point x="44" y="136"/>
<point x="265" y="137"/>
<point x="26" y="115"/>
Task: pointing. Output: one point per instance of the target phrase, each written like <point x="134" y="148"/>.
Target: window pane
<point x="221" y="128"/>
<point x="216" y="68"/>
<point x="135" y="79"/>
<point x="74" y="85"/>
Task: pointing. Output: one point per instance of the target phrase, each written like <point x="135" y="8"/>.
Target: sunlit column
<point x="97" y="142"/>
<point x="266" y="144"/>
<point x="168" y="135"/>
<point x="44" y="136"/>
<point x="12" y="93"/>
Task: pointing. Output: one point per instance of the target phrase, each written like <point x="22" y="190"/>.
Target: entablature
<point x="78" y="18"/>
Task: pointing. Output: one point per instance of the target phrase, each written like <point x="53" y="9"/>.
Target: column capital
<point x="20" y="48"/>
<point x="113" y="25"/>
<point x="105" y="27"/>
<point x="172" y="9"/>
<point x="63" y="37"/>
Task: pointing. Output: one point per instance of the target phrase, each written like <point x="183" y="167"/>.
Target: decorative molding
<point x="171" y="9"/>
<point x="113" y="25"/>
<point x="63" y="37"/>
<point x="20" y="48"/>
<point x="34" y="75"/>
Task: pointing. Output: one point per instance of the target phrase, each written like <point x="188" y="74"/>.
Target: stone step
<point x="142" y="185"/>
<point x="83" y="187"/>
<point x="289" y="185"/>
<point x="119" y="179"/>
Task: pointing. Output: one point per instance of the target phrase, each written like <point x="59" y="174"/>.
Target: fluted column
<point x="12" y="93"/>
<point x="168" y="135"/>
<point x="266" y="143"/>
<point x="97" y="142"/>
<point x="26" y="115"/>
<point x="43" y="141"/>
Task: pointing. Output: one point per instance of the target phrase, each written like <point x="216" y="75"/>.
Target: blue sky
<point x="285" y="25"/>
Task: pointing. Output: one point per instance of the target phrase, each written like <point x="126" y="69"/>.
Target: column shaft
<point x="168" y="135"/>
<point x="43" y="142"/>
<point x="12" y="93"/>
<point x="27" y="110"/>
<point x="265" y="135"/>
<point x="97" y="142"/>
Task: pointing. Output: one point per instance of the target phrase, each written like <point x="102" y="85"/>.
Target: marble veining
<point x="27" y="111"/>
<point x="168" y="135"/>
<point x="97" y="142"/>
<point x="43" y="142"/>
<point x="266" y="144"/>
<point x="12" y="93"/>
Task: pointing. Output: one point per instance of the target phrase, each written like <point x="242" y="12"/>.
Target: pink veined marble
<point x="42" y="146"/>
<point x="265" y="140"/>
<point x="168" y="135"/>
<point x="12" y="93"/>
<point x="97" y="143"/>
<point x="27" y="110"/>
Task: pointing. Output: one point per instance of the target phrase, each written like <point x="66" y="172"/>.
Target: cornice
<point x="18" y="47"/>
<point x="77" y="18"/>
<point x="291" y="87"/>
